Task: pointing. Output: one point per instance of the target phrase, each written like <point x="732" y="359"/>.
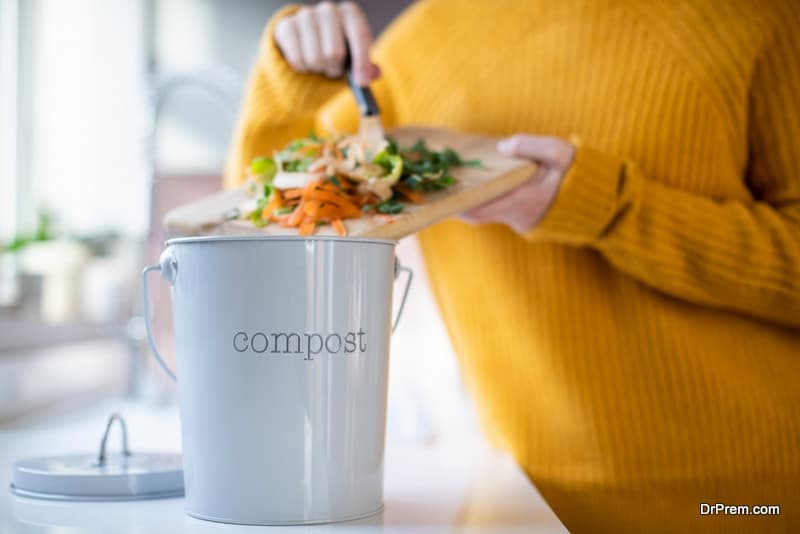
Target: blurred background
<point x="113" y="112"/>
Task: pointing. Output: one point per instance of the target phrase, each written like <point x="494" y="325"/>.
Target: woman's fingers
<point x="359" y="39"/>
<point x="331" y="39"/>
<point x="316" y="39"/>
<point x="309" y="39"/>
<point x="524" y="207"/>
<point x="552" y="151"/>
<point x="288" y="39"/>
<point x="518" y="209"/>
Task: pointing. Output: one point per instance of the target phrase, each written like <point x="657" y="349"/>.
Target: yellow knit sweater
<point x="639" y="351"/>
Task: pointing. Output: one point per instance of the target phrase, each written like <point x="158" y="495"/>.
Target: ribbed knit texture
<point x="639" y="351"/>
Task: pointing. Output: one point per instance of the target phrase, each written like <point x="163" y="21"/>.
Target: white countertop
<point x="455" y="484"/>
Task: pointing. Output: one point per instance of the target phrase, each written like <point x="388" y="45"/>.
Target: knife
<point x="370" y="130"/>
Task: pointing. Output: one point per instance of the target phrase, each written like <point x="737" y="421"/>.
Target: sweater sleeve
<point x="730" y="254"/>
<point x="280" y="104"/>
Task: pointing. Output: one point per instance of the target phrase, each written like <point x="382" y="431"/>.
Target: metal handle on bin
<point x="150" y="338"/>
<point x="398" y="268"/>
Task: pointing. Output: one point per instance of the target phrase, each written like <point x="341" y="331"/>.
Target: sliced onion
<point x="291" y="180"/>
<point x="321" y="163"/>
<point x="379" y="187"/>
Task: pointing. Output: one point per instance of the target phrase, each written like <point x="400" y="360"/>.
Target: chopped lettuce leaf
<point x="392" y="163"/>
<point x="263" y="168"/>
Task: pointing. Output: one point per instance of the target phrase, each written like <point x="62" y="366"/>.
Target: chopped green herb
<point x="429" y="170"/>
<point x="414" y="181"/>
<point x="298" y="165"/>
<point x="283" y="210"/>
<point x="390" y="206"/>
<point x="392" y="146"/>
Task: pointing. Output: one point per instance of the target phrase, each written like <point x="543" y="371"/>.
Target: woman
<point x="638" y="346"/>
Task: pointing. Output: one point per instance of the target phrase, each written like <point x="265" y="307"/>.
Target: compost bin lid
<point x="100" y="477"/>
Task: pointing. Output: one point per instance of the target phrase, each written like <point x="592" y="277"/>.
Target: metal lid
<point x="101" y="477"/>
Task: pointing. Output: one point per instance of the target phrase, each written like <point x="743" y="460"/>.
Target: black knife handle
<point x="365" y="100"/>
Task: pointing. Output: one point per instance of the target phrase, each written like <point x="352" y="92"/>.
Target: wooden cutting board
<point x="476" y="185"/>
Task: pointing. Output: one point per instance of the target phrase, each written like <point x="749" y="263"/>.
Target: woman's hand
<point x="313" y="40"/>
<point x="524" y="207"/>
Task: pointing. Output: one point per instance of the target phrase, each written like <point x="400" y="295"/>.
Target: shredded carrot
<point x="275" y="201"/>
<point x="330" y="211"/>
<point x="311" y="207"/>
<point x="328" y="196"/>
<point x="293" y="193"/>
<point x="307" y="228"/>
<point x="310" y="186"/>
<point x="297" y="216"/>
<point x="339" y="226"/>
<point x="329" y="186"/>
<point x="413" y="196"/>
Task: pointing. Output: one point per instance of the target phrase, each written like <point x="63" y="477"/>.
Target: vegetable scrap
<point x="316" y="182"/>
